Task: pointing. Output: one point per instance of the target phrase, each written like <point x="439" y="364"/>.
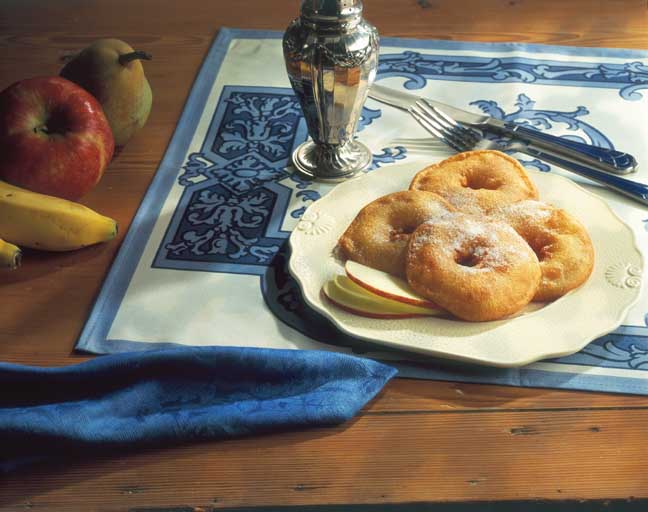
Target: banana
<point x="44" y="222"/>
<point x="10" y="255"/>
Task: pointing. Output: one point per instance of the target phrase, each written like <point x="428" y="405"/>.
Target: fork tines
<point x="444" y="127"/>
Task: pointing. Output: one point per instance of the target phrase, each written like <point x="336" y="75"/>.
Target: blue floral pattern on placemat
<point x="629" y="78"/>
<point x="239" y="189"/>
<point x="530" y="117"/>
<point x="228" y="214"/>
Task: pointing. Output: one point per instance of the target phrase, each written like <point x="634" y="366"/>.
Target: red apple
<point x="54" y="137"/>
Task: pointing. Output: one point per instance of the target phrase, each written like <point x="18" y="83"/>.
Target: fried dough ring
<point x="477" y="181"/>
<point x="477" y="269"/>
<point x="560" y="241"/>
<point x="378" y="235"/>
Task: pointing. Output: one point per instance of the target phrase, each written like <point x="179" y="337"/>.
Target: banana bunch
<point x="38" y="221"/>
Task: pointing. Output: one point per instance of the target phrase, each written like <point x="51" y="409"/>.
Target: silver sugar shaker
<point x="331" y="56"/>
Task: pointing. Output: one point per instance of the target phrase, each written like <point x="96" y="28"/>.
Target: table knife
<point x="607" y="160"/>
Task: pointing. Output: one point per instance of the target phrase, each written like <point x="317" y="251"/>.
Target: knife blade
<point x="607" y="160"/>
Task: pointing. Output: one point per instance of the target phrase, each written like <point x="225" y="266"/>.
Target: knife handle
<point x="607" y="160"/>
<point x="631" y="189"/>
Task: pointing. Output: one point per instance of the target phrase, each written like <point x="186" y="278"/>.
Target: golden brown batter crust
<point x="378" y="235"/>
<point x="477" y="181"/>
<point x="478" y="269"/>
<point x="561" y="242"/>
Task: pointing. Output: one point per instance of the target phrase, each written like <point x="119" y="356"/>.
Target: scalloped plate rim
<point x="503" y="363"/>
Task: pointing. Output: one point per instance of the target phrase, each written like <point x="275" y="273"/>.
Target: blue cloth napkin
<point x="173" y="395"/>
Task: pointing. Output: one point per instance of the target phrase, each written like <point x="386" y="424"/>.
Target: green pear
<point x="113" y="73"/>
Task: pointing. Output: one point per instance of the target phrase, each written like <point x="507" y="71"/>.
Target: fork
<point x="423" y="145"/>
<point x="461" y="138"/>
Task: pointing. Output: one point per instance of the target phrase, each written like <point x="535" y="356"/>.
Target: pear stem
<point x="126" y="58"/>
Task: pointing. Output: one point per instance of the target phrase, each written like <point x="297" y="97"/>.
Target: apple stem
<point x="43" y="128"/>
<point x="126" y="58"/>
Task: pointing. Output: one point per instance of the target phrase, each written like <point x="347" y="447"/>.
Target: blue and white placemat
<point x="204" y="262"/>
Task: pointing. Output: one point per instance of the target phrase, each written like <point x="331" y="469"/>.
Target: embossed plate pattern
<point x="558" y="329"/>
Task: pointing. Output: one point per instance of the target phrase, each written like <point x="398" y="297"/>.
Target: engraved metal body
<point x="331" y="56"/>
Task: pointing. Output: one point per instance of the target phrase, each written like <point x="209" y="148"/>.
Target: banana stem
<point x="16" y="260"/>
<point x="10" y="255"/>
<point x="126" y="58"/>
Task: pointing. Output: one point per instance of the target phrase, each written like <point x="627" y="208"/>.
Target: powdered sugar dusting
<point x="428" y="214"/>
<point x="464" y="202"/>
<point x="478" y="242"/>
<point x="525" y="211"/>
<point x="438" y="213"/>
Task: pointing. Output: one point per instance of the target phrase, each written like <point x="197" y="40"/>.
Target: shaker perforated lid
<point x="331" y="10"/>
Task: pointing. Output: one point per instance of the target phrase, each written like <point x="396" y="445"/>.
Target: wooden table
<point x="419" y="441"/>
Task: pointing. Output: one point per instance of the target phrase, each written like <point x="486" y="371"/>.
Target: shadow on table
<point x="41" y="263"/>
<point x="42" y="302"/>
<point x="285" y="300"/>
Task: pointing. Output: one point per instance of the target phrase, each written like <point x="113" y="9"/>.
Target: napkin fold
<point x="172" y="395"/>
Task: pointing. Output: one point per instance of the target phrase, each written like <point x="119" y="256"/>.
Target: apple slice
<point x="345" y="294"/>
<point x="354" y="288"/>
<point x="384" y="284"/>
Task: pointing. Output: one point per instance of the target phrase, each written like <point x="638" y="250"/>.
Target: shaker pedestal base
<point x="331" y="163"/>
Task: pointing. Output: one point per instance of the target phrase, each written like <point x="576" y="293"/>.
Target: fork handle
<point x="631" y="189"/>
<point x="603" y="159"/>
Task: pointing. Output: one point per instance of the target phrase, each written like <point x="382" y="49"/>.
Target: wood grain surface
<point x="419" y="441"/>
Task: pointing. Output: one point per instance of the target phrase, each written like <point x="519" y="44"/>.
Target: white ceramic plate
<point x="560" y="328"/>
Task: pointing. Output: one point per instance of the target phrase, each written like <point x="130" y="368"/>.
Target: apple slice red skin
<point x="376" y="291"/>
<point x="359" y="312"/>
<point x="54" y="137"/>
